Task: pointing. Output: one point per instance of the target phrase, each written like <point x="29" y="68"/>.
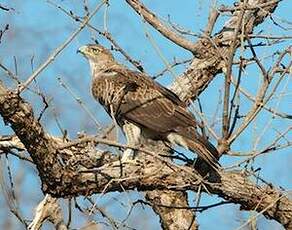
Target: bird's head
<point x="96" y="53"/>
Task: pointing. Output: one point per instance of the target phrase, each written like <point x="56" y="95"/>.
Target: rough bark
<point x="178" y="219"/>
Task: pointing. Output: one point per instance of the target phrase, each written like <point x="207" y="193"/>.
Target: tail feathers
<point x="207" y="162"/>
<point x="205" y="150"/>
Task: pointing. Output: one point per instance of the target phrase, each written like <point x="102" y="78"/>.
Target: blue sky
<point x="37" y="28"/>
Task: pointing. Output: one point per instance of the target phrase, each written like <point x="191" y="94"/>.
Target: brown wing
<point x="149" y="104"/>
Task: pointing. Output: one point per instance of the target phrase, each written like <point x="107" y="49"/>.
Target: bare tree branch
<point x="58" y="50"/>
<point x="152" y="19"/>
<point x="213" y="52"/>
<point x="49" y="209"/>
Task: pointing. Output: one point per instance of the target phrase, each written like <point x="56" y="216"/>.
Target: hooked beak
<point x="82" y="50"/>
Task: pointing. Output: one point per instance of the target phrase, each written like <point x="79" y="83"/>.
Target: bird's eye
<point x="96" y="50"/>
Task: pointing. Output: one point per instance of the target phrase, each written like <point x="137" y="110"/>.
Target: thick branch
<point x="19" y="115"/>
<point x="172" y="218"/>
<point x="49" y="209"/>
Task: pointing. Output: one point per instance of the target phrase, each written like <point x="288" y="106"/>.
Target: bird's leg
<point x="132" y="133"/>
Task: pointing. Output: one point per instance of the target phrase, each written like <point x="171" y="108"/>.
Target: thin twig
<point x="80" y="102"/>
<point x="225" y="123"/>
<point x="57" y="51"/>
<point x="236" y="113"/>
<point x="260" y="102"/>
<point x="105" y="34"/>
<point x="213" y="16"/>
<point x="160" y="27"/>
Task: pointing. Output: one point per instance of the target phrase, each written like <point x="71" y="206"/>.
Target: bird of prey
<point x="142" y="106"/>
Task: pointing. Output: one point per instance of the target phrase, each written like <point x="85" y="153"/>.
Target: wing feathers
<point x="149" y="104"/>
